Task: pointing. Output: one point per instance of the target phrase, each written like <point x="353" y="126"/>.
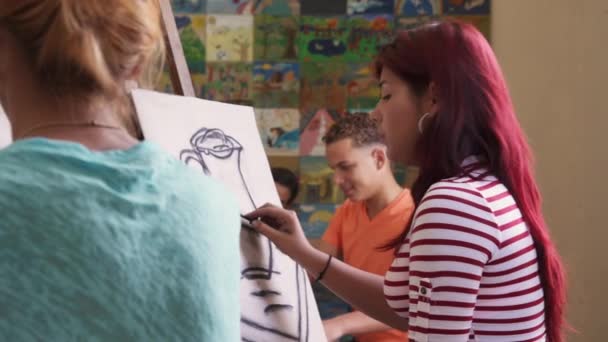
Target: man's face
<point x="356" y="168"/>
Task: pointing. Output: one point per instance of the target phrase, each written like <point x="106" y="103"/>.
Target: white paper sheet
<point x="5" y="130"/>
<point x="222" y="141"/>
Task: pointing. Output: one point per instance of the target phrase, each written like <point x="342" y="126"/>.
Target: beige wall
<point x="555" y="57"/>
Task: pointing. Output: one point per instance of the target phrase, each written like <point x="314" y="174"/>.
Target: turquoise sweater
<point x="114" y="246"/>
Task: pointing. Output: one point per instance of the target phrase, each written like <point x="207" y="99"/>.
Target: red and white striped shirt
<point x="468" y="269"/>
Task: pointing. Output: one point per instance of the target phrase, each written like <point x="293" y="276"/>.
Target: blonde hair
<point x="88" y="48"/>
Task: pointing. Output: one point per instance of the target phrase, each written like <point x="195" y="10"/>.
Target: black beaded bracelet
<point x="324" y="269"/>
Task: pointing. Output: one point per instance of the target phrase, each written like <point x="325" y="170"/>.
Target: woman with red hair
<point x="476" y="262"/>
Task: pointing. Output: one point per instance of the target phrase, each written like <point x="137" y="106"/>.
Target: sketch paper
<point x="222" y="141"/>
<point x="5" y="130"/>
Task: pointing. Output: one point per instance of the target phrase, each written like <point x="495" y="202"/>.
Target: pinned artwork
<point x="229" y="6"/>
<point x="229" y="38"/>
<point x="316" y="182"/>
<point x="322" y="85"/>
<point x="415" y="8"/>
<point x="228" y="82"/>
<point x="315" y="218"/>
<point x="279" y="130"/>
<point x="367" y="33"/>
<point x="276" y="85"/>
<point x="407" y="23"/>
<point x="275" y="38"/>
<point x="277" y="7"/>
<point x="220" y="140"/>
<point x="460" y="7"/>
<point x="313" y="127"/>
<point x="192" y="33"/>
<point x="322" y="39"/>
<point x="361" y="87"/>
<point x="370" y="7"/>
<point x="291" y="163"/>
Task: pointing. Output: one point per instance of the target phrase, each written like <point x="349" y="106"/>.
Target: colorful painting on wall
<point x="275" y="38"/>
<point x="407" y="23"/>
<point x="229" y="38"/>
<point x="366" y="34"/>
<point x="460" y="7"/>
<point x="315" y="218"/>
<point x="228" y="82"/>
<point x="289" y="162"/>
<point x="192" y="33"/>
<point x="361" y="87"/>
<point x="322" y="39"/>
<point x="276" y="85"/>
<point x="316" y="182"/>
<point x="415" y="8"/>
<point x="322" y="85"/>
<point x="277" y="7"/>
<point x="229" y="6"/>
<point x="355" y="7"/>
<point x="279" y="130"/>
<point x="314" y="126"/>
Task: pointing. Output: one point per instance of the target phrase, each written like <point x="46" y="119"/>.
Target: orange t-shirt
<point x="358" y="238"/>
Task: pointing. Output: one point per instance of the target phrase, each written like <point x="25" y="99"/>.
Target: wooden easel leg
<point x="178" y="68"/>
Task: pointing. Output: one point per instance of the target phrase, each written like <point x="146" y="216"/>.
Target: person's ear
<point x="431" y="101"/>
<point x="379" y="156"/>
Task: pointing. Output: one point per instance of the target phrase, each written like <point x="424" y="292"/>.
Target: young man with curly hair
<point x="375" y="213"/>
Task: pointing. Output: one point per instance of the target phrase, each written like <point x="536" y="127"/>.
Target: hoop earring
<point x="421" y="121"/>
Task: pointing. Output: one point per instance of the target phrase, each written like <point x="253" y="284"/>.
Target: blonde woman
<point x="102" y="237"/>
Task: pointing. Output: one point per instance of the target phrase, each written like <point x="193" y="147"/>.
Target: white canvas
<point x="5" y="130"/>
<point x="222" y="141"/>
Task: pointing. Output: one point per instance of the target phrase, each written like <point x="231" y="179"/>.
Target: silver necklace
<point x="92" y="123"/>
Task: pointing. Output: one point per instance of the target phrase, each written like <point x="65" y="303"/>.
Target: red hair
<point x="476" y="117"/>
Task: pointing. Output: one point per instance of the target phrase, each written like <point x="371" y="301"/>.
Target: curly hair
<point x="360" y="127"/>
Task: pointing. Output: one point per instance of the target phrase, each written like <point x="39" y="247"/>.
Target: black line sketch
<point x="219" y="154"/>
<point x="214" y="143"/>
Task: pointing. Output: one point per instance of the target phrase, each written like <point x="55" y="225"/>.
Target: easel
<point x="181" y="80"/>
<point x="178" y="68"/>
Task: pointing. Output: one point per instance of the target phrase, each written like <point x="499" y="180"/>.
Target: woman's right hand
<point x="283" y="229"/>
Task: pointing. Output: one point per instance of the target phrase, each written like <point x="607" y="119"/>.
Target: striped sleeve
<point x="453" y="237"/>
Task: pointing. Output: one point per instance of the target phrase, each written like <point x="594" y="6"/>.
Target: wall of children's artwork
<point x="301" y="64"/>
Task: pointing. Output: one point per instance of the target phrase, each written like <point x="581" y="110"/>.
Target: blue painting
<point x="322" y="38"/>
<point x="414" y="8"/>
<point x="315" y="218"/>
<point x="276" y="85"/>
